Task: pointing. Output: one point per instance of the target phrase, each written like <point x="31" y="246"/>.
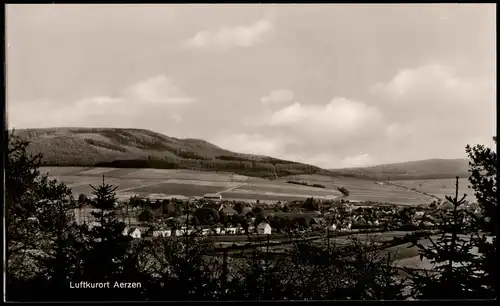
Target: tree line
<point x="195" y="162"/>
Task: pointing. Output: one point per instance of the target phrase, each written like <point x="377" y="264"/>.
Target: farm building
<point x="183" y="231"/>
<point x="229" y="211"/>
<point x="132" y="232"/>
<point x="231" y="230"/>
<point x="206" y="231"/>
<point x="213" y="196"/>
<point x="264" y="228"/>
<point x="162" y="233"/>
<point x="215" y="206"/>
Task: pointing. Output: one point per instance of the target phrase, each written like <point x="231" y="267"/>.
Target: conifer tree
<point x="450" y="254"/>
<point x="483" y="179"/>
<point x="108" y="250"/>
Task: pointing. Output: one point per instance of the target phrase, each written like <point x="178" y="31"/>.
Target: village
<point x="214" y="216"/>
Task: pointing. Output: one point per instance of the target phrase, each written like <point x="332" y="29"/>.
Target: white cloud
<point x="327" y="160"/>
<point x="435" y="111"/>
<point x="251" y="143"/>
<point x="160" y="89"/>
<point x="436" y="86"/>
<point x="127" y="110"/>
<point x="339" y="119"/>
<point x="277" y="97"/>
<point x="231" y="37"/>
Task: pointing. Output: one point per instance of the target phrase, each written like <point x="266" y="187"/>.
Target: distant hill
<point x="413" y="170"/>
<point x="137" y="148"/>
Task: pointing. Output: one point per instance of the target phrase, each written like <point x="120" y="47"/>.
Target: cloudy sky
<point x="330" y="85"/>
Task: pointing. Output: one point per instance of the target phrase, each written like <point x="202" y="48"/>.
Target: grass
<point x="177" y="189"/>
<point x="279" y="188"/>
<point x="439" y="187"/>
<point x="183" y="182"/>
<point x="197" y="183"/>
<point x="367" y="190"/>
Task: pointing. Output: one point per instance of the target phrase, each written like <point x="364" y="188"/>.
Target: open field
<point x="191" y="183"/>
<point x="183" y="183"/>
<point x="365" y="190"/>
<point x="440" y="187"/>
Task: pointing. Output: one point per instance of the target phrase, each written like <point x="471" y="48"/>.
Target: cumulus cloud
<point x="153" y="99"/>
<point x="429" y="111"/>
<point x="435" y="111"/>
<point x="331" y="160"/>
<point x="231" y="37"/>
<point x="436" y="86"/>
<point x="160" y="89"/>
<point x="251" y="143"/>
<point x="277" y="97"/>
<point x="339" y="119"/>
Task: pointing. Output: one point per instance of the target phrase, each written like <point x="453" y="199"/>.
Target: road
<point x="234" y="187"/>
<point x="141" y="186"/>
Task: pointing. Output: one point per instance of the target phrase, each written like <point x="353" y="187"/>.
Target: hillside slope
<point x="413" y="170"/>
<point x="137" y="148"/>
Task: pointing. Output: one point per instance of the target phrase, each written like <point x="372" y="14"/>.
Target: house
<point x="419" y="214"/>
<point x="332" y="227"/>
<point x="229" y="211"/>
<point x="206" y="231"/>
<point x="213" y="196"/>
<point x="132" y="232"/>
<point x="126" y="231"/>
<point x="251" y="229"/>
<point x="264" y="228"/>
<point x="231" y="230"/>
<point x="162" y="233"/>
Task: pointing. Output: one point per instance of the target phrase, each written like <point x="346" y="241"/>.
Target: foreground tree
<point x="180" y="268"/>
<point x="108" y="255"/>
<point x="450" y="253"/>
<point x="483" y="179"/>
<point x="465" y="255"/>
<point x="41" y="234"/>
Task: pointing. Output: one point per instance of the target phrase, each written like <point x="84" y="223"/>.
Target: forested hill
<point x="137" y="148"/>
<point x="413" y="170"/>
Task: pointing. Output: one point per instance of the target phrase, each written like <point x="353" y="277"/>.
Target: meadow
<point x="440" y="187"/>
<point x="191" y="183"/>
<point x="182" y="183"/>
<point x="366" y="190"/>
